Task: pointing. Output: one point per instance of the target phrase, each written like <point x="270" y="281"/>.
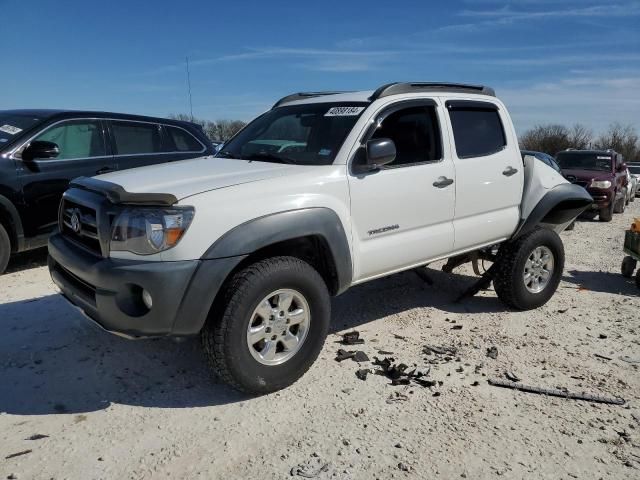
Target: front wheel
<point x="628" y="266"/>
<point x="529" y="269"/>
<point x="5" y="249"/>
<point x="270" y="326"/>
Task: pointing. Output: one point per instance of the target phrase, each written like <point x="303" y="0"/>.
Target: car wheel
<point x="270" y="326"/>
<point x="606" y="214"/>
<point x="5" y="249"/>
<point x="529" y="269"/>
<point x="620" y="205"/>
<point x="628" y="266"/>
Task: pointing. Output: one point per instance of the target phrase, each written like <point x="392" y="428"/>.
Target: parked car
<point x="544" y="158"/>
<point x="632" y="186"/>
<point x="634" y="170"/>
<point x="602" y="173"/>
<point x="42" y="150"/>
<point x="247" y="250"/>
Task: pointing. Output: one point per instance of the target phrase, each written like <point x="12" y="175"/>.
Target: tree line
<point x="218" y="130"/>
<point x="553" y="138"/>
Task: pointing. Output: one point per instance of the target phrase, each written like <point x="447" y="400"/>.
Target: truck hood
<point x="189" y="177"/>
<point x="586" y="175"/>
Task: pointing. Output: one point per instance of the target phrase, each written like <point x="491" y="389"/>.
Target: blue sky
<point x="550" y="61"/>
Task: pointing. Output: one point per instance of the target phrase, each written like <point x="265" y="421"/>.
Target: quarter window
<point x="181" y="141"/>
<point x="76" y="139"/>
<point x="477" y="131"/>
<point x="136" y="138"/>
<point x="416" y="134"/>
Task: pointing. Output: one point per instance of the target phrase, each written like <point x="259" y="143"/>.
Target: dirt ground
<point x="78" y="403"/>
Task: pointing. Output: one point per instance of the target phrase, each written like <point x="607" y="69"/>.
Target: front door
<point x="83" y="152"/>
<point x="402" y="213"/>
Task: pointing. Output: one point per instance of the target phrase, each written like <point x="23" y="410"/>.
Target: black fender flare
<point x="270" y="229"/>
<point x="17" y="233"/>
<point x="559" y="205"/>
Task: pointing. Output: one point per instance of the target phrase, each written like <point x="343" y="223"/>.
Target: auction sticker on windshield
<point x="10" y="129"/>
<point x="343" y="111"/>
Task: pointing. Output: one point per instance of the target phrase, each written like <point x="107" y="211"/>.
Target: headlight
<point x="601" y="184"/>
<point x="146" y="231"/>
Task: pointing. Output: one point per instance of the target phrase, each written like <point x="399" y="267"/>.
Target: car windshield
<point x="11" y="125"/>
<point x="584" y="161"/>
<point x="307" y="134"/>
<point x="635" y="169"/>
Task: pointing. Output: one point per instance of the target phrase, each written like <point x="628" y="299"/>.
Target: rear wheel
<point x="5" y="249"/>
<point x="529" y="269"/>
<point x="620" y="205"/>
<point x="270" y="326"/>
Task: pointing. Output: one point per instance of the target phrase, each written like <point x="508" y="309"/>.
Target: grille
<point x="79" y="223"/>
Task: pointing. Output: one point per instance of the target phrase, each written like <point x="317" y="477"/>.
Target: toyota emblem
<point x="76" y="226"/>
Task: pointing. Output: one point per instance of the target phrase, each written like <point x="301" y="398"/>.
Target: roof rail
<point x="413" y="87"/>
<point x="303" y="95"/>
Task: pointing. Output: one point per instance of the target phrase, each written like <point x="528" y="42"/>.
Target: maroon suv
<point x="603" y="173"/>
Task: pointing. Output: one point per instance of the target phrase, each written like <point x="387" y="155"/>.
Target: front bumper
<point x="601" y="198"/>
<point x="109" y="291"/>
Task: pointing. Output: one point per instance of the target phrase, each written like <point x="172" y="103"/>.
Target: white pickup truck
<point x="324" y="191"/>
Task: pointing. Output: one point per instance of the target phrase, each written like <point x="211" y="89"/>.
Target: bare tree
<point x="219" y="130"/>
<point x="553" y="138"/>
<point x="621" y="138"/>
<point x="580" y="137"/>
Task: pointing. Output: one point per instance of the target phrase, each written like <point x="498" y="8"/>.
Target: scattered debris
<point x="362" y="373"/>
<point x="398" y="373"/>
<point x="602" y="336"/>
<point x="563" y="310"/>
<point x="344" y="355"/>
<point x="602" y="356"/>
<point x="399" y="337"/>
<point x="396" y="397"/>
<point x="429" y="349"/>
<point x="511" y="376"/>
<point x="554" y="392"/>
<point x="492" y="352"/>
<point x="360" y="356"/>
<point x="628" y="359"/>
<point x="385" y="352"/>
<point x="37" y="436"/>
<point x="404" y="467"/>
<point x="352" y="338"/>
<point x="18" y="454"/>
<point x="310" y="469"/>
<point x="456" y="327"/>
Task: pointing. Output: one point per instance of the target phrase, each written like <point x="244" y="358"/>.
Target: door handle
<point x="509" y="171"/>
<point x="105" y="170"/>
<point x="442" y="182"/>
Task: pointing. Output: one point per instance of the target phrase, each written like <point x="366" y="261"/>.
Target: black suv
<point x="42" y="150"/>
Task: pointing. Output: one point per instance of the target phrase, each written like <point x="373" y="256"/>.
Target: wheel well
<point x="312" y="249"/>
<point x="563" y="212"/>
<point x="7" y="223"/>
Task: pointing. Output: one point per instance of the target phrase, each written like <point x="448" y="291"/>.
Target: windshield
<point x="584" y="161"/>
<point x="11" y="125"/>
<point x="635" y="169"/>
<point x="308" y="134"/>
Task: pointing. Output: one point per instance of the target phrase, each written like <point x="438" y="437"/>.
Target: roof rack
<point x="413" y="87"/>
<point x="302" y="95"/>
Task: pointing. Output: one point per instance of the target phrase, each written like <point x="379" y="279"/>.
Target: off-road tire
<point x="5" y="249"/>
<point x="224" y="335"/>
<point x="606" y="214"/>
<point x="508" y="278"/>
<point x="628" y="266"/>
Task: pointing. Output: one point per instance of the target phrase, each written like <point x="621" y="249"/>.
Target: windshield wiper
<point x="269" y="157"/>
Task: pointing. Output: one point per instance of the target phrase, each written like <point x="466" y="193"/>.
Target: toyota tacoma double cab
<point x="325" y="191"/>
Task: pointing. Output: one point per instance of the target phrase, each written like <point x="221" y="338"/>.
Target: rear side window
<point x="181" y="141"/>
<point x="416" y="134"/>
<point x="136" y="138"/>
<point x="477" y="130"/>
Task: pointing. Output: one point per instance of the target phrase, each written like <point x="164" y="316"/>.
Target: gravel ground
<point x="111" y="408"/>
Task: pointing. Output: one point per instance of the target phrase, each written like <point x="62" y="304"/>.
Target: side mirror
<point x="40" y="149"/>
<point x="380" y="151"/>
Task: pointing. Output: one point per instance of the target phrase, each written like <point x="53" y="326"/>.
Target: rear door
<point x="83" y="152"/>
<point x="136" y="144"/>
<point x="489" y="173"/>
<point x="402" y="213"/>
